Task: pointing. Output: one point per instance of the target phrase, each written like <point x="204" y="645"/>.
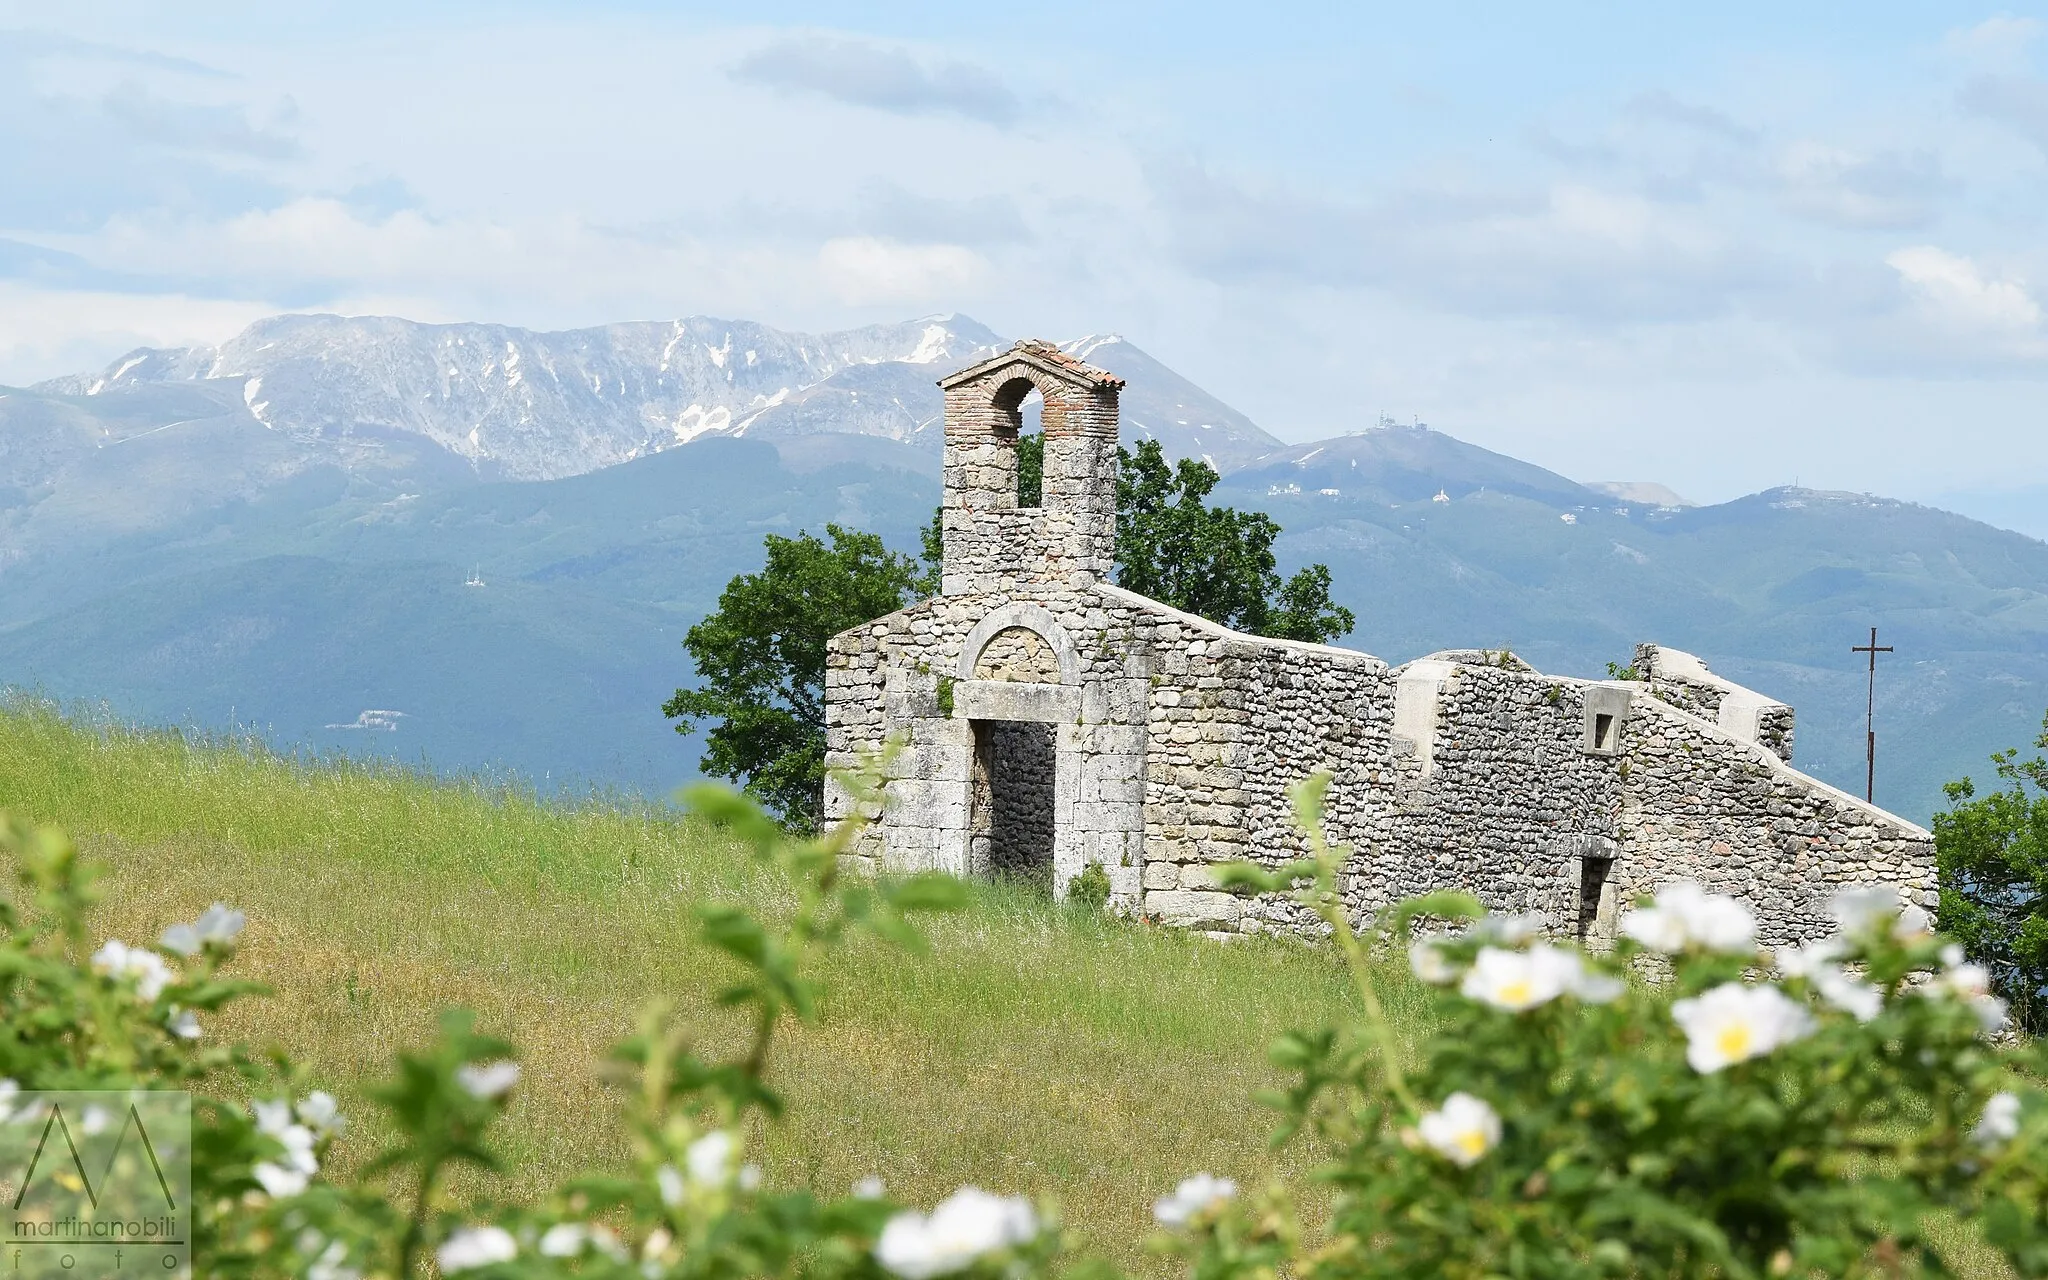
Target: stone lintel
<point x="1016" y="700"/>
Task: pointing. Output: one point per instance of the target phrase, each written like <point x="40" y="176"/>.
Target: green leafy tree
<point x="1218" y="562"/>
<point x="1992" y="851"/>
<point x="1173" y="546"/>
<point x="761" y="661"/>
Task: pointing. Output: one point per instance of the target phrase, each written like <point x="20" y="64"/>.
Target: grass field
<point x="1032" y="1049"/>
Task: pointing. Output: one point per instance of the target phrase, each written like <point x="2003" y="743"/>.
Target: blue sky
<point x="1722" y="249"/>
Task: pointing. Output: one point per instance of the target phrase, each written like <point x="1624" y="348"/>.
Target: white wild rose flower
<point x="1593" y="987"/>
<point x="1506" y="929"/>
<point x="279" y="1181"/>
<point x="1816" y="963"/>
<point x="1192" y="1196"/>
<point x="330" y="1262"/>
<point x="1734" y="1022"/>
<point x="1867" y="912"/>
<point x="1430" y="964"/>
<point x="487" y="1079"/>
<point x="653" y="1249"/>
<point x="472" y="1247"/>
<point x="709" y="1160"/>
<point x="570" y="1239"/>
<point x="1685" y="917"/>
<point x="2000" y="1123"/>
<point x="184" y="1024"/>
<point x="1810" y="960"/>
<point x="1862" y="910"/>
<point x="272" y="1117"/>
<point x="1462" y="1130"/>
<point x="1520" y="980"/>
<point x="967" y="1226"/>
<point x="669" y="1182"/>
<point x="1852" y="996"/>
<point x="288" y="1174"/>
<point x="319" y="1112"/>
<point x="1971" y="984"/>
<point x="217" y="926"/>
<point x="119" y="961"/>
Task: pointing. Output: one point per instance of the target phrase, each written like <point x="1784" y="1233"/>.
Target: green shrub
<point x="1992" y="850"/>
<point x="1569" y="1119"/>
<point x="1090" y="889"/>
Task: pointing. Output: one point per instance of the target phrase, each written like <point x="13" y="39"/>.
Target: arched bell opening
<point x="1020" y="423"/>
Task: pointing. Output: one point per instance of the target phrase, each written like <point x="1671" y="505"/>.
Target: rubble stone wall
<point x="1012" y="826"/>
<point x="1160" y="745"/>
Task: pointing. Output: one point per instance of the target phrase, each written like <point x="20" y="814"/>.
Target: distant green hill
<point x="165" y="553"/>
<point x="1771" y="589"/>
<point x="300" y="608"/>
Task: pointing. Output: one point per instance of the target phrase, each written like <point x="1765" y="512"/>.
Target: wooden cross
<point x="1870" y="713"/>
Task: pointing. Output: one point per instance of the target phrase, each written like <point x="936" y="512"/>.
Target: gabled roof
<point x="1044" y="356"/>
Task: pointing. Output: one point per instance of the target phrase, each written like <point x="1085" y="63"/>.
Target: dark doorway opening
<point x="1010" y="833"/>
<point x="1592" y="883"/>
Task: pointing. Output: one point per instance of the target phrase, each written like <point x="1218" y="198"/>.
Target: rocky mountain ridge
<point x="318" y="526"/>
<point x="516" y="404"/>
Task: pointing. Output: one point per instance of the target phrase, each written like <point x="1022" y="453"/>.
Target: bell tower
<point x="992" y="543"/>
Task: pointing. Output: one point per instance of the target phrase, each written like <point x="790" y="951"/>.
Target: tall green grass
<point x="1032" y="1048"/>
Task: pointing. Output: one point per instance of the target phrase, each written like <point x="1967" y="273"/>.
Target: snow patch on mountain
<point x="517" y="404"/>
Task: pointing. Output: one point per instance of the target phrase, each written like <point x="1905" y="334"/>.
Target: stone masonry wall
<point x="1185" y="737"/>
<point x="1508" y="801"/>
<point x="1033" y="706"/>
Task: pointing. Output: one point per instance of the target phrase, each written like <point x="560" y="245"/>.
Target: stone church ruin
<point x="1050" y="720"/>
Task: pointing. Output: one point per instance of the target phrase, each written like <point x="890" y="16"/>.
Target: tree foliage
<point x="1217" y="562"/>
<point x="761" y="661"/>
<point x="1992" y="851"/>
<point x="761" y="656"/>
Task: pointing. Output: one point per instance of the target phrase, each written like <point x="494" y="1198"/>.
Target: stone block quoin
<point x="992" y="544"/>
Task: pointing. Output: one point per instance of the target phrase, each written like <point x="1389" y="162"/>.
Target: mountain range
<point x="479" y="547"/>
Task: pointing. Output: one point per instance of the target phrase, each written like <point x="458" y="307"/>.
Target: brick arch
<point x="1031" y="617"/>
<point x="1007" y="422"/>
<point x="1007" y="386"/>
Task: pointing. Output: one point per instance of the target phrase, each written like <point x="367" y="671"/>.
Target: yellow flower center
<point x="1734" y="1041"/>
<point x="1517" y="991"/>
<point x="1471" y="1142"/>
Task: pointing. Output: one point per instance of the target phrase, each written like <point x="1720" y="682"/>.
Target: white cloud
<point x="864" y="74"/>
<point x="1570" y="250"/>
<point x="45" y="332"/>
<point x="1700" y="248"/>
<point x="1956" y="291"/>
<point x="864" y="271"/>
<point x="1839" y="187"/>
<point x="2013" y="100"/>
<point x="1999" y="43"/>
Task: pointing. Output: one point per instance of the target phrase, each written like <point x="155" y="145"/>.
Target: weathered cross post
<point x="1870" y="714"/>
